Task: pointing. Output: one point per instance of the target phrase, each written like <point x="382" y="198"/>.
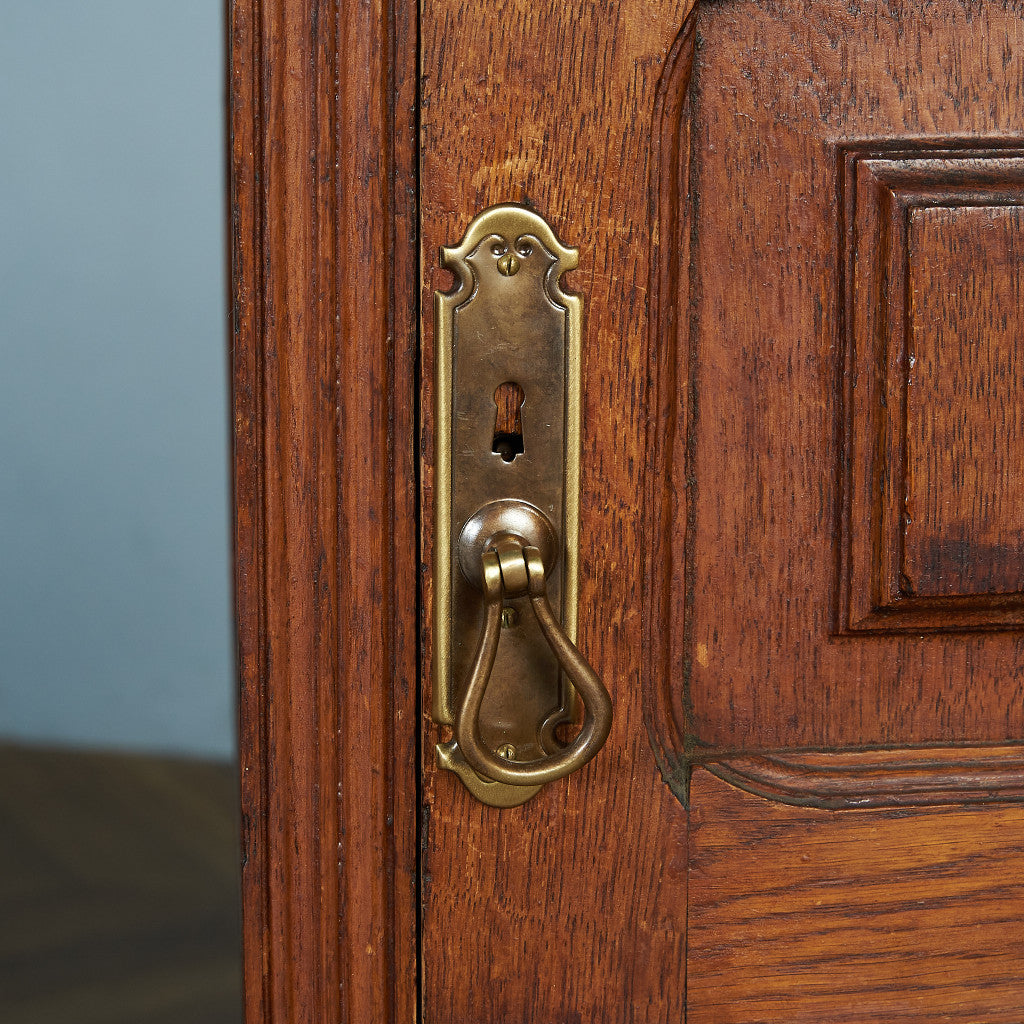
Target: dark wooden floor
<point x="118" y="890"/>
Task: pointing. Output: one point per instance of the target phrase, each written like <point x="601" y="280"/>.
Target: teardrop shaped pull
<point x="512" y="570"/>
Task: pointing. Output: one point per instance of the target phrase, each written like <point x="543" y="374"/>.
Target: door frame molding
<point x="323" y="193"/>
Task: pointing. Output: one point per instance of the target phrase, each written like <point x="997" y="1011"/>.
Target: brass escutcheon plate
<point x="506" y="321"/>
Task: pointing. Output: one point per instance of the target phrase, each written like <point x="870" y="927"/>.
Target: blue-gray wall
<point x="115" y="626"/>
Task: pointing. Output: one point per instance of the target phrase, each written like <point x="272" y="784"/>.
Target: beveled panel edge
<point x="852" y="779"/>
<point x="667" y="716"/>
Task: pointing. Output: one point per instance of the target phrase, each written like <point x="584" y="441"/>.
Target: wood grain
<point x="964" y="531"/>
<point x="848" y="779"/>
<point x="666" y="711"/>
<point x="508" y="420"/>
<point x="803" y="915"/>
<point x="323" y="243"/>
<point x="559" y="910"/>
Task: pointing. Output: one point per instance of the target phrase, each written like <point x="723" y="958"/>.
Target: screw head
<point x="507" y="751"/>
<point x="508" y="265"/>
<point x="509" y="617"/>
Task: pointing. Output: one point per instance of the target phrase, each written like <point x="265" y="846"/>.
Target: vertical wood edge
<point x="323" y="367"/>
<point x="247" y="442"/>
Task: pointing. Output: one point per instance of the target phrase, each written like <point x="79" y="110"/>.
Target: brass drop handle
<point x="512" y="568"/>
<point x="507" y="414"/>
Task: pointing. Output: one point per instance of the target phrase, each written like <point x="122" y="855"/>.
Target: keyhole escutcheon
<point x="508" y="421"/>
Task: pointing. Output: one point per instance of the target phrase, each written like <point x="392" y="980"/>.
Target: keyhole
<point x="508" y="423"/>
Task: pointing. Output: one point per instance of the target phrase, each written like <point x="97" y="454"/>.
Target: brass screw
<point x="507" y="751"/>
<point x="509" y="617"/>
<point x="508" y="265"/>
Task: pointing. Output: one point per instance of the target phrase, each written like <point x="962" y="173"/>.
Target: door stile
<point x="551" y="106"/>
<point x="323" y="355"/>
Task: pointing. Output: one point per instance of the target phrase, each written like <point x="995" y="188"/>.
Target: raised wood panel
<point x="930" y="254"/>
<point x="964" y="504"/>
<point x="805" y="916"/>
<point x="760" y="447"/>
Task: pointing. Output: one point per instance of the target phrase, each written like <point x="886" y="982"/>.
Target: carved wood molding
<point x="323" y="276"/>
<point x="884" y="191"/>
<point x="877" y="778"/>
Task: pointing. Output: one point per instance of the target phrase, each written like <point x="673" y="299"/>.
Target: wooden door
<point x="801" y="525"/>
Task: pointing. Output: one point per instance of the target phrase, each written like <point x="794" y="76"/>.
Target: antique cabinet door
<point x="801" y="509"/>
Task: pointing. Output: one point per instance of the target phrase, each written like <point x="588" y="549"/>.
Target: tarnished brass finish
<point x="506" y="324"/>
<point x="511" y="570"/>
